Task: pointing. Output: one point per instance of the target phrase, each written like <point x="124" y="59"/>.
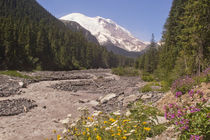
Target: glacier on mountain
<point x="107" y="31"/>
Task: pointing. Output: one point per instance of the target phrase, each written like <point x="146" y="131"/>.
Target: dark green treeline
<point x="31" y="38"/>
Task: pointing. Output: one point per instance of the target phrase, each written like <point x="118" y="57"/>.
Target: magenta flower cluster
<point x="183" y="84"/>
<point x="192" y="93"/>
<point x="178" y="94"/>
<point x="195" y="137"/>
<point x="179" y="114"/>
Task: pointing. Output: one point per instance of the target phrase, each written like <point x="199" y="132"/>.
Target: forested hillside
<point x="31" y="38"/>
<point x="185" y="45"/>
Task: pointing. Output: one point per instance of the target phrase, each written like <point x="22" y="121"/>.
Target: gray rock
<point x="146" y="96"/>
<point x="129" y="99"/>
<point x="93" y="103"/>
<point x="107" y="98"/>
<point x="15" y="106"/>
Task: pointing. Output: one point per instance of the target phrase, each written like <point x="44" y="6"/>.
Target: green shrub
<point x="147" y="77"/>
<point x="15" y="74"/>
<point x="202" y="78"/>
<point x="165" y="86"/>
<point x="146" y="88"/>
<point x="127" y="71"/>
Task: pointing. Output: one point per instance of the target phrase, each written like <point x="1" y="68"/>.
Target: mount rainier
<point x="107" y="32"/>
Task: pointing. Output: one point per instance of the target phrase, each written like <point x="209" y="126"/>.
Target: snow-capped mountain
<point x="107" y="31"/>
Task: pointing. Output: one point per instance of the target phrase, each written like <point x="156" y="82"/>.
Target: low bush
<point x="146" y="88"/>
<point x="127" y="71"/>
<point x="203" y="77"/>
<point x="147" y="77"/>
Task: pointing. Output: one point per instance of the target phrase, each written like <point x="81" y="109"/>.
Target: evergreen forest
<point x="185" y="45"/>
<point x="31" y="38"/>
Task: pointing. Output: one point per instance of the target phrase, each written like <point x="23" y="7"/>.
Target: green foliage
<point x="138" y="125"/>
<point x="147" y="78"/>
<point x="125" y="71"/>
<point x="146" y="88"/>
<point x="146" y="113"/>
<point x="165" y="86"/>
<point x="15" y="74"/>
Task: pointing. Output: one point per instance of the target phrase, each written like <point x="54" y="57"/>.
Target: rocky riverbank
<point x="51" y="96"/>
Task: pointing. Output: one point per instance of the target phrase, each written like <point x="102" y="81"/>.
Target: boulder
<point x="107" y="98"/>
<point x="146" y="96"/>
<point x="129" y="99"/>
<point x="93" y="103"/>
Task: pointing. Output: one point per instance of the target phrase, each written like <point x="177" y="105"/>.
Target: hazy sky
<point x="140" y="17"/>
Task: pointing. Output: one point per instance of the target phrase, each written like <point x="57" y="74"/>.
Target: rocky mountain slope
<point x="76" y="27"/>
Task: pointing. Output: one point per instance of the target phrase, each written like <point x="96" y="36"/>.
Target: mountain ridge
<point x="106" y="30"/>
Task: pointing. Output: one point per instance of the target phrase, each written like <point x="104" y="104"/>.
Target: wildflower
<point x="125" y="121"/>
<point x="178" y="94"/>
<point x="94" y="129"/>
<point x="147" y="128"/>
<point x="58" y="137"/>
<point x="204" y="100"/>
<point x="90" y="118"/>
<point x="87" y="129"/>
<point x="171" y="105"/>
<point x="144" y="123"/>
<point x="191" y="92"/>
<point x="98" y="137"/>
<point x="89" y="138"/>
<point x="83" y="133"/>
<point x="112" y="120"/>
<point x="118" y="133"/>
<point x="113" y="135"/>
<point x="105" y="122"/>
<point x="124" y="137"/>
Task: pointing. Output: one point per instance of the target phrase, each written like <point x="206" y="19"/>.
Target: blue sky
<point x="140" y="17"/>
